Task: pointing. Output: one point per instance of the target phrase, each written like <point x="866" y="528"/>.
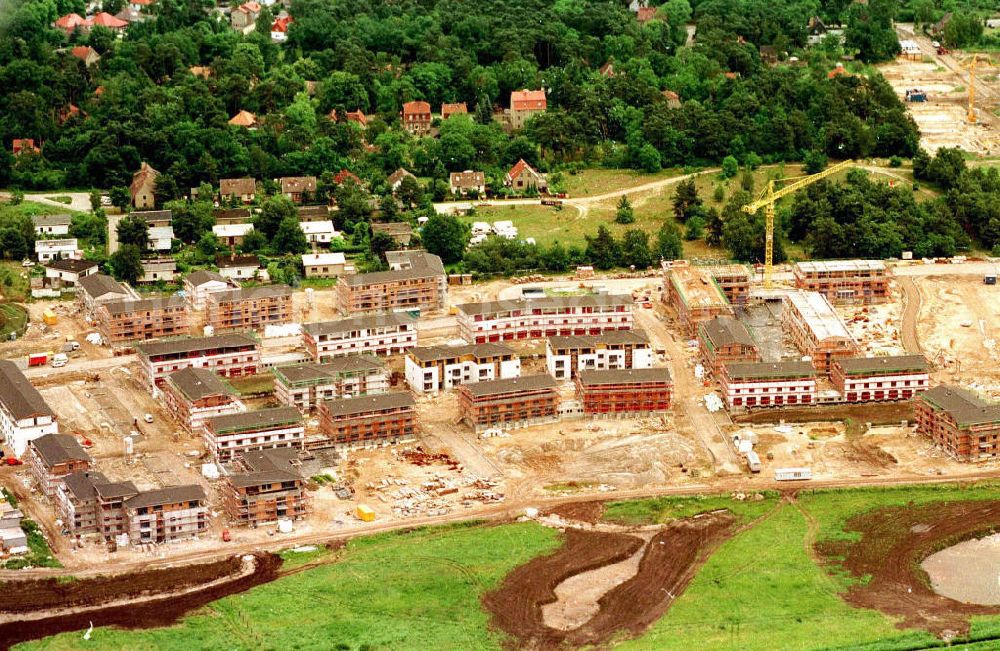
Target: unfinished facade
<point x="734" y="280"/>
<point x="566" y="357"/>
<point x="695" y="295"/>
<point x="747" y="385"/>
<point x="303" y="386"/>
<point x="417" y="283"/>
<point x="267" y="487"/>
<point x="624" y="392"/>
<point x="723" y="340"/>
<point x="817" y="329"/>
<point x="959" y="422"/>
<point x="497" y="321"/>
<point x="231" y="355"/>
<point x="844" y="281"/>
<point x="369" y="420"/>
<point x="98" y="289"/>
<point x="194" y="394"/>
<point x="52" y="457"/>
<point x="517" y="402"/>
<point x="378" y="334"/>
<point x="265" y="429"/>
<point x="251" y="308"/>
<point x="430" y="369"/>
<point x="864" y="379"/>
<point x="123" y="322"/>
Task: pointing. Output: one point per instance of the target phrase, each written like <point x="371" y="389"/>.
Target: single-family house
<point x="326" y="265"/>
<point x="47" y="250"/>
<point x="51" y="225"/>
<point x="416" y="117"/>
<point x="157" y="270"/>
<point x="396" y="178"/>
<point x="231" y="235"/>
<point x="448" y="110"/>
<point x="467" y="182"/>
<point x="524" y="104"/>
<point x="244" y="119"/>
<point x="524" y="177"/>
<point x="66" y="273"/>
<point x="85" y="53"/>
<point x="143" y="187"/>
<point x="298" y="187"/>
<point x="244" y="190"/>
<point x="319" y="232"/>
<point x="240" y="267"/>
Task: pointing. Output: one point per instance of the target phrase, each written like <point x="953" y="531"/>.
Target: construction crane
<point x="770" y="196"/>
<point x="972" y="88"/>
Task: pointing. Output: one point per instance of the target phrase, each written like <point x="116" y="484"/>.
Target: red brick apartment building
<point x="151" y="318"/>
<point x="959" y="422"/>
<point x="817" y="329"/>
<point x="303" y="386"/>
<point x="267" y="487"/>
<point x="417" y="282"/>
<point x="377" y="334"/>
<point x="765" y="384"/>
<point x="625" y="392"/>
<point x="53" y="456"/>
<point x="695" y="295"/>
<point x="234" y="434"/>
<point x="251" y="308"/>
<point x="369" y="420"/>
<point x="515" y="402"/>
<point x="497" y="321"/>
<point x="231" y="355"/>
<point x="733" y="279"/>
<point x="723" y="340"/>
<point x="844" y="281"/>
<point x="194" y="394"/>
<point x="864" y="379"/>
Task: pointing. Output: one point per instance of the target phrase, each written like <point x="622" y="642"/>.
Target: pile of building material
<point x="428" y="498"/>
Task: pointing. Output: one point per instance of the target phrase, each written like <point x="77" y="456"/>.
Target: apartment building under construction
<point x="415" y="280"/>
<point x="266" y="486"/>
<point x="844" y="281"/>
<point x="249" y="308"/>
<point x="123" y="322"/>
<point x="695" y="295"/>
<point x="817" y="329"/>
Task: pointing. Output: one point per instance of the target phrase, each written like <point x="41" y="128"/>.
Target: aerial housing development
<point x="497" y="325"/>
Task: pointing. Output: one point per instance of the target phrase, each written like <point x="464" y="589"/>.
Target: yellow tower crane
<point x="971" y="118"/>
<point x="770" y="196"/>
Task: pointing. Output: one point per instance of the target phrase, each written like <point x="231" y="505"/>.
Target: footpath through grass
<point x="417" y="590"/>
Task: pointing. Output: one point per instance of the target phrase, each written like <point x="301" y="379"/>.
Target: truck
<point x="792" y="474"/>
<point x="38" y="359"/>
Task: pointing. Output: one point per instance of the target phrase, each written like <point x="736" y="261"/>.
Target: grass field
<point x="13" y="318"/>
<point x="589" y="182"/>
<point x="417" y="590"/>
<point x="253" y="385"/>
<point x="761" y="590"/>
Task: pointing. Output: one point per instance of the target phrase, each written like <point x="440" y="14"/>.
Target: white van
<point x="59" y="360"/>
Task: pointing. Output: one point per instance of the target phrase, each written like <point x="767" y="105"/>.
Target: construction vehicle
<point x="916" y="95"/>
<point x="226" y="536"/>
<point x="769" y="196"/>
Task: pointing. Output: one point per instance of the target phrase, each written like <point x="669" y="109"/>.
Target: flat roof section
<point x="828" y="266"/>
<point x="819" y="315"/>
<point x="697" y="288"/>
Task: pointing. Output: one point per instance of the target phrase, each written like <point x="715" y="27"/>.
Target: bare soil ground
<point x="668" y="563"/>
<point x="580" y="511"/>
<point x="153" y="597"/>
<point x="893" y="542"/>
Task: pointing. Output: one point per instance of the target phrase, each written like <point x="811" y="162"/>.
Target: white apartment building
<point x="24" y="414"/>
<point x="230" y="355"/>
<point x="265" y="429"/>
<point x="304" y="385"/>
<point x="865" y="379"/>
<point x="768" y="384"/>
<point x="46" y="250"/>
<point x="565" y="357"/>
<point x="430" y="369"/>
<point x="535" y="318"/>
<point x="378" y="334"/>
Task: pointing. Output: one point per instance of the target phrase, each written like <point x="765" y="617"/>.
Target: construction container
<point x="49" y="317"/>
<point x="753" y="461"/>
<point x="365" y="514"/>
<point x="38" y="359"/>
<point x="792" y="474"/>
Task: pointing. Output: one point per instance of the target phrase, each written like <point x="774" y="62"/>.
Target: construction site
<point x="951" y="95"/>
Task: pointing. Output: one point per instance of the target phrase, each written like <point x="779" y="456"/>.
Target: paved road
<point x="79" y="366"/>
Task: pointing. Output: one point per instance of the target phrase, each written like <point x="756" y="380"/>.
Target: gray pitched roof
<point x="964" y="406"/>
<point x="510" y="385"/>
<point x="193" y="344"/>
<point x="198" y="383"/>
<point x="310" y="371"/>
<point x="725" y="331"/>
<point x="17" y="394"/>
<point x="764" y="370"/>
<point x="422" y="265"/>
<point x="267" y="467"/>
<point x="71" y="264"/>
<point x="116" y="489"/>
<point x="97" y="285"/>
<point x="250" y="293"/>
<point x="610" y="337"/>
<point x="894" y="364"/>
<point x="145" y="305"/>
<point x="82" y="483"/>
<point x="262" y="418"/>
<point x="478" y="351"/>
<point x="198" y="278"/>
<point x="363" y="404"/>
<point x="52" y="220"/>
<point x="170" y="495"/>
<point x="59" y="448"/>
<point x="387" y="320"/>
<point x="624" y="376"/>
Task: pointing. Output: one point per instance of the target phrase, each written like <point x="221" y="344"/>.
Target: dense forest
<point x="142" y="102"/>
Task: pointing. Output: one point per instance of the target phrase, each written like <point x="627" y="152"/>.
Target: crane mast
<point x="770" y="196"/>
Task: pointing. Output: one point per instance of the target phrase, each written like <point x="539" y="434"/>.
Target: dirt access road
<point x="911" y="310"/>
